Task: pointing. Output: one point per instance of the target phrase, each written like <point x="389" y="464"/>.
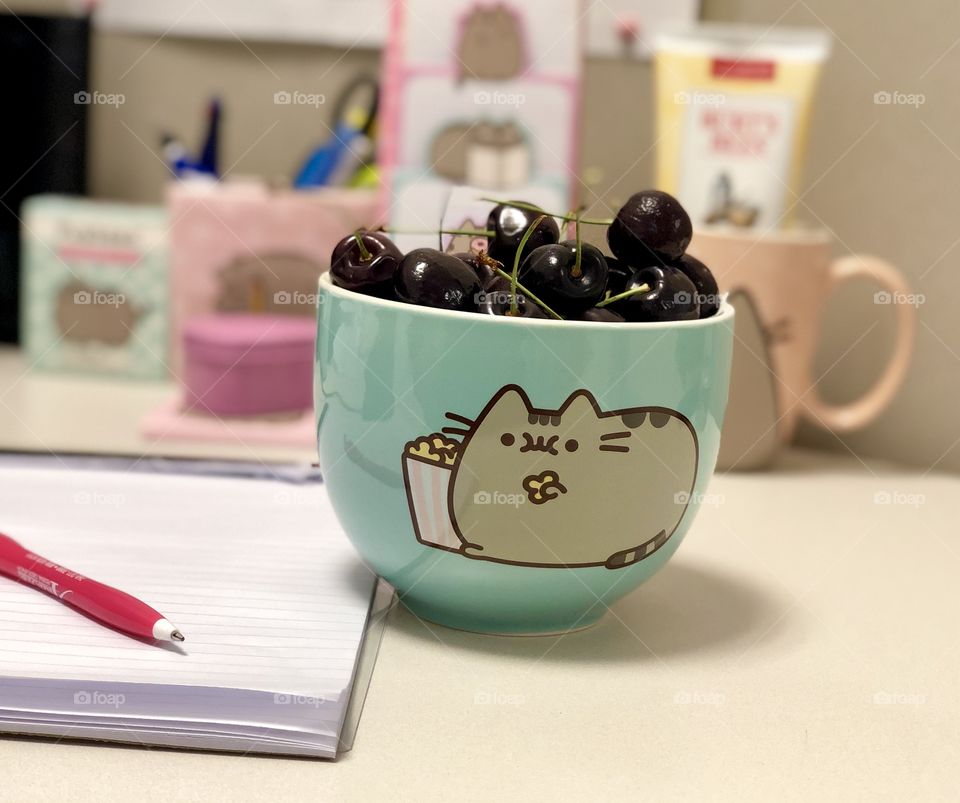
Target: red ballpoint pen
<point x="102" y="602"/>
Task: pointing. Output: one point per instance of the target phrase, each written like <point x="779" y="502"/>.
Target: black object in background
<point x="43" y="129"/>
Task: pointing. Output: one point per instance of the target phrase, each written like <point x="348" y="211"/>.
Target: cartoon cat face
<point x="571" y="486"/>
<point x="80" y="320"/>
<point x="512" y="442"/>
<point x="491" y="44"/>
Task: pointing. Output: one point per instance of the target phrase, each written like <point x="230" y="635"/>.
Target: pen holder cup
<point x="243" y="247"/>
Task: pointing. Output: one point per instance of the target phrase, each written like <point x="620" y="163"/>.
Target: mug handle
<point x="855" y="414"/>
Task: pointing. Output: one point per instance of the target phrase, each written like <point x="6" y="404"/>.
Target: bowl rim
<point x="326" y="285"/>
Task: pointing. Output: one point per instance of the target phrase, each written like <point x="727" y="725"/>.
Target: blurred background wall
<point x="883" y="178"/>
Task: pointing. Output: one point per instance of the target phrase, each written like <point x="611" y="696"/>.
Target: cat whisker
<point x="454" y="431"/>
<point x="610" y="448"/>
<point x="460" y="419"/>
<point x="615" y="435"/>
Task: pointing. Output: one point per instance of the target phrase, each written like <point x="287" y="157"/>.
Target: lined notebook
<point x="256" y="573"/>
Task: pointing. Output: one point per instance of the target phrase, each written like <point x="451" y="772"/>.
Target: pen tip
<point x="176" y="635"/>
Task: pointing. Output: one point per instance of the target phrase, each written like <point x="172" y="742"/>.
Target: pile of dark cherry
<point x="648" y="278"/>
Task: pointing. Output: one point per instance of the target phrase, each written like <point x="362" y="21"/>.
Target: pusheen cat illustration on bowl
<point x="572" y="487"/>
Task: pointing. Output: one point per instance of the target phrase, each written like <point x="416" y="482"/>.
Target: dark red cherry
<point x="618" y="273"/>
<point x="496" y="300"/>
<point x="671" y="297"/>
<point x="481" y="265"/>
<point x="708" y="294"/>
<point x="551" y="272"/>
<point x="509" y="223"/>
<point x="650" y="228"/>
<point x="434" y="279"/>
<point x="367" y="269"/>
<point x="601" y="315"/>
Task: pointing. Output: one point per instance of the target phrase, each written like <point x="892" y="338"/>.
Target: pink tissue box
<point x="246" y="365"/>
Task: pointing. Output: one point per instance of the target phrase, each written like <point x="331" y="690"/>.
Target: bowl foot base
<point x="470" y="624"/>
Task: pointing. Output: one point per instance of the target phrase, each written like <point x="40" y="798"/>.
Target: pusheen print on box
<point x="484" y="94"/>
<point x="95" y="293"/>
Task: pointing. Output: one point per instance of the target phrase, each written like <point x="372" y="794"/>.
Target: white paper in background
<point x="350" y="23"/>
<point x="358" y="23"/>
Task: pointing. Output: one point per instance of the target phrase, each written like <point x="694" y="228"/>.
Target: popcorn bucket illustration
<point x="427" y="469"/>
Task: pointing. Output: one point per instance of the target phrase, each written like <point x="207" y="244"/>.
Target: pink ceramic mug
<point x="778" y="283"/>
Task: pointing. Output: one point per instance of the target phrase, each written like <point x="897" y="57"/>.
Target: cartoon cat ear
<point x="580" y="402"/>
<point x="510" y="401"/>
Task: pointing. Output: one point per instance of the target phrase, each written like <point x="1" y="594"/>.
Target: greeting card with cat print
<point x="572" y="486"/>
<point x="478" y="93"/>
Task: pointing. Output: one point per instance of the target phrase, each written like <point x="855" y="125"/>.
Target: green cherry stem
<point x="577" y="270"/>
<point x="365" y="255"/>
<point x="470" y="232"/>
<point x="532" y="208"/>
<point x="527" y="294"/>
<point x="643" y="288"/>
<point x="514" y="307"/>
<point x="572" y="215"/>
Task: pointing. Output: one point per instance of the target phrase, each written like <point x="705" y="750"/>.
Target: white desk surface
<point x="802" y="645"/>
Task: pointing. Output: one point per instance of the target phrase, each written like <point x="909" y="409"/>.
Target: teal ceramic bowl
<point x="511" y="475"/>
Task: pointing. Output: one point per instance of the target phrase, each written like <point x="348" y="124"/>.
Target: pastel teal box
<point x="94" y="286"/>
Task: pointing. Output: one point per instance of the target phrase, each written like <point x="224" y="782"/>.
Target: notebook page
<point x="193" y="741"/>
<point x="256" y="573"/>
